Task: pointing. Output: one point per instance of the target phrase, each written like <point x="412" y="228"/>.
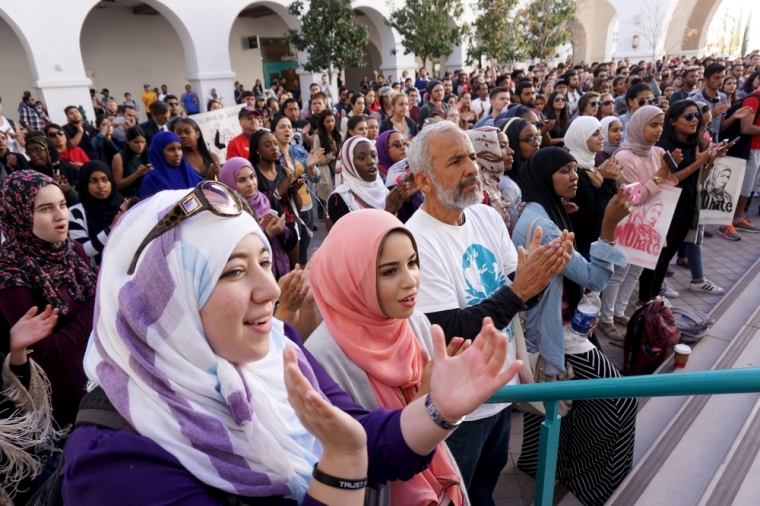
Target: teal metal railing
<point x="661" y="385"/>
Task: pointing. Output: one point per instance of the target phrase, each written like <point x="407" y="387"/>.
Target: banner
<point x="641" y="234"/>
<point x="721" y="190"/>
<point x="223" y="121"/>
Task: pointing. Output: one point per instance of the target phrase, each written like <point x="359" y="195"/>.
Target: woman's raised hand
<point x="460" y="384"/>
<point x="293" y="289"/>
<point x="610" y="169"/>
<point x="339" y="433"/>
<point x="314" y="157"/>
<point x="29" y="329"/>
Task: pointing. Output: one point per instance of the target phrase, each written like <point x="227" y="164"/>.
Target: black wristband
<point x="332" y="481"/>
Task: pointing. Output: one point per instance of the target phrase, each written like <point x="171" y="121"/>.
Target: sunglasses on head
<point x="692" y="115"/>
<point x="644" y="102"/>
<point x="206" y="196"/>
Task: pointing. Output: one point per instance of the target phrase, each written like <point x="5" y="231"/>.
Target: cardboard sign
<point x="641" y="234"/>
<point x="721" y="190"/>
<point x="225" y="122"/>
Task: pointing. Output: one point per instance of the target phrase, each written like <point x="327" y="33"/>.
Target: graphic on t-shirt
<point x="479" y="266"/>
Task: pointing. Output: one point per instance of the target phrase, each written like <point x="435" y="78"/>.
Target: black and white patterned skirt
<point x="596" y="437"/>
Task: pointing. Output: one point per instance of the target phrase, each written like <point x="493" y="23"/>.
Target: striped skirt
<point x="596" y="437"/>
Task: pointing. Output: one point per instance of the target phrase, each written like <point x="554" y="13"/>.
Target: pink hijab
<point x="385" y="348"/>
<point x="229" y="174"/>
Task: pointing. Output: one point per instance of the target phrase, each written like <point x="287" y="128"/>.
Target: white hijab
<point x="229" y="425"/>
<point x="356" y="192"/>
<point x="576" y="137"/>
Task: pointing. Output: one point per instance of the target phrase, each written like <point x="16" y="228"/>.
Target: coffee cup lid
<point x="683" y="349"/>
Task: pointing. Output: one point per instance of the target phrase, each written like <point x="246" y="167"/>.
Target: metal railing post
<point x="547" y="455"/>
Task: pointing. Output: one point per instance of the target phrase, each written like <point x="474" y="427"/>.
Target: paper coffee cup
<point x="682" y="355"/>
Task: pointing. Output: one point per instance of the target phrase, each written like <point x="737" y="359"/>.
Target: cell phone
<point x="734" y="141"/>
<point x="633" y="192"/>
<point x="671" y="162"/>
<point x="119" y="120"/>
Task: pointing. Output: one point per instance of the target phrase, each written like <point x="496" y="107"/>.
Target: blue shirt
<point x="543" y="326"/>
<point x="189" y="102"/>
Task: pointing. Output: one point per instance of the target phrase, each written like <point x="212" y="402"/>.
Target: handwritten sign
<point x="222" y="121"/>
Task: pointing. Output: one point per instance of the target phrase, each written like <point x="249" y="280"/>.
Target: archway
<point x="688" y="27"/>
<point x="258" y="27"/>
<point x="579" y="42"/>
<point x="125" y="47"/>
<point x="353" y="76"/>
<point x="17" y="75"/>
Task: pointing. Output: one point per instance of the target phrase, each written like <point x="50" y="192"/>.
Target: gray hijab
<point x="634" y="131"/>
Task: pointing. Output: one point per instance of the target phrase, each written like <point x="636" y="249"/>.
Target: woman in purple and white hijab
<point x="220" y="400"/>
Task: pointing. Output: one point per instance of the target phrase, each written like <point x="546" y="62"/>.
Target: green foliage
<point x="547" y="26"/>
<point x="329" y="34"/>
<point x="495" y="33"/>
<point x="424" y="27"/>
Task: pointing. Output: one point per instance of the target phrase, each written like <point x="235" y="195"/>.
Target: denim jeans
<point x="693" y="253"/>
<point x="618" y="291"/>
<point x="481" y="450"/>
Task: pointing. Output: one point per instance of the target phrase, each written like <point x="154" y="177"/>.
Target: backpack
<point x="651" y="336"/>
<point x="96" y="409"/>
<point x="692" y="324"/>
<point x="742" y="148"/>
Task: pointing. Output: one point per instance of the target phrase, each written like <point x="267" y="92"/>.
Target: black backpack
<point x="96" y="409"/>
<point x="742" y="148"/>
<point x="651" y="336"/>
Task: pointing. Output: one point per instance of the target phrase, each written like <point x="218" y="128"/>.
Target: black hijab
<point x="537" y="186"/>
<point x="99" y="213"/>
<point x="513" y="129"/>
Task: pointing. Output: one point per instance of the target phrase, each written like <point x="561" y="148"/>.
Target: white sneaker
<point x="706" y="286"/>
<point x="667" y="290"/>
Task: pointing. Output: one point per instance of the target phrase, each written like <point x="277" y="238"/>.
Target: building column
<point x="58" y="75"/>
<point x="457" y="59"/>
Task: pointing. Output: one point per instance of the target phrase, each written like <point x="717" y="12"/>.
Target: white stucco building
<point x="58" y="50"/>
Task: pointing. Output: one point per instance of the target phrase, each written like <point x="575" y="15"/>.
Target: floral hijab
<point x="28" y="261"/>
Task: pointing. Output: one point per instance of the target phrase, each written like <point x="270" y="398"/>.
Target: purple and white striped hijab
<point x="230" y="426"/>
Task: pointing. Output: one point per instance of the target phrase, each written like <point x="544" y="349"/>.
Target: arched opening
<point x="353" y="76"/>
<point x="579" y="42"/>
<point x="258" y="49"/>
<point x="126" y="45"/>
<point x="16" y="75"/>
<point x="725" y="29"/>
<point x="369" y="13"/>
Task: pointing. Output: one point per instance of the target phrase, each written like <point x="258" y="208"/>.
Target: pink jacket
<point x="638" y="170"/>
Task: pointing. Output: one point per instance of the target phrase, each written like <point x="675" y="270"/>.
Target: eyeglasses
<point x="399" y="145"/>
<point x="531" y="139"/>
<point x="206" y="196"/>
<point x="608" y="102"/>
<point x="692" y="115"/>
<point x="559" y="99"/>
<point x="57" y="133"/>
<point x="37" y="151"/>
<point x="644" y="102"/>
<point x="595" y="103"/>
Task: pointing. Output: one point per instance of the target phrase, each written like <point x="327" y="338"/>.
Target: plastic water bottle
<point x="588" y="310"/>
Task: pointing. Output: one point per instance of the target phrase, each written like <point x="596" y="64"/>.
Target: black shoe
<point x="709" y="234"/>
<point x="669" y="273"/>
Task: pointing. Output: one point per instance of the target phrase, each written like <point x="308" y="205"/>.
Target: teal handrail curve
<point x="728" y="381"/>
<point x="657" y="385"/>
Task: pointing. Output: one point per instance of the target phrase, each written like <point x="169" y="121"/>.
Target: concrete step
<point x="686" y="446"/>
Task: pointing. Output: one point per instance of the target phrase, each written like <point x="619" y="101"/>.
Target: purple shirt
<point x="120" y="468"/>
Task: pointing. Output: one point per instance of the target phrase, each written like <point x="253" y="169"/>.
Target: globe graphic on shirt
<point x="479" y="266"/>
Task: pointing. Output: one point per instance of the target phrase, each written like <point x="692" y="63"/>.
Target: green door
<point x="282" y="71"/>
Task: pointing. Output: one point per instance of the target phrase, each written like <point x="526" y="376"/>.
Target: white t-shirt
<point x="461" y="266"/>
<point x="13" y="145"/>
<point x="572" y="100"/>
<point x="481" y="105"/>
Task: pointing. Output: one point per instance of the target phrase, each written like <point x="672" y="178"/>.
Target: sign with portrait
<point x="721" y="190"/>
<point x="219" y="128"/>
<point x="641" y="234"/>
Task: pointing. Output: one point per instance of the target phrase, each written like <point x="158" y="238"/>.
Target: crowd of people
<point x="160" y="354"/>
